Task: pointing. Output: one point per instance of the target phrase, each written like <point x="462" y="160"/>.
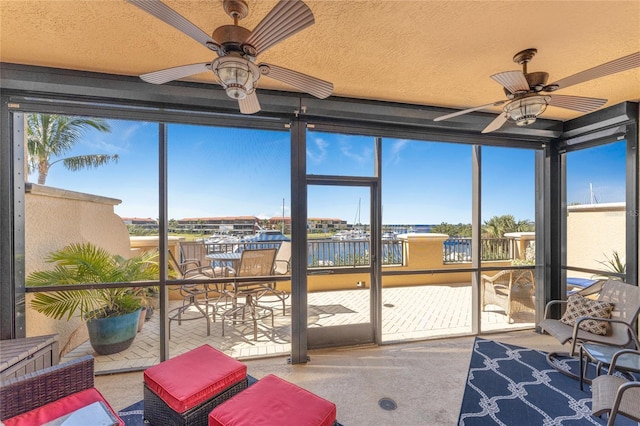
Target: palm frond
<point x="84" y="263"/>
<point x="88" y="161"/>
<point x="614" y="264"/>
<point x="59" y="305"/>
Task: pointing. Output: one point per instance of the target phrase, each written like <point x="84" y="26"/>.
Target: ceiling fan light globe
<point x="237" y="75"/>
<point x="525" y="121"/>
<point x="236" y="92"/>
<point x="525" y="111"/>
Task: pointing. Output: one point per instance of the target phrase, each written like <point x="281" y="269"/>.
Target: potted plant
<point x="112" y="314"/>
<point x="149" y="299"/>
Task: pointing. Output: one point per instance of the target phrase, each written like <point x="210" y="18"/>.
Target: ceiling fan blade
<point x="170" y="74"/>
<point x="466" y="111"/>
<point x="513" y="81"/>
<point x="617" y="65"/>
<point x="250" y="104"/>
<point x="173" y="18"/>
<point x="311" y="85"/>
<point x="496" y="123"/>
<point x="576" y="103"/>
<point x="284" y="20"/>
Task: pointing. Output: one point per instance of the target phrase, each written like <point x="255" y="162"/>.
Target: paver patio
<point x="408" y="313"/>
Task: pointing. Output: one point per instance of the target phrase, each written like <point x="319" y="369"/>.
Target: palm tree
<point x="497" y="226"/>
<point x="52" y="135"/>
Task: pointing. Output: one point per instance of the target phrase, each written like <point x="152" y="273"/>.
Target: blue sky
<point x="217" y="171"/>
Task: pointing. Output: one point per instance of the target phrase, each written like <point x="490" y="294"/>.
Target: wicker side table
<point x="21" y="356"/>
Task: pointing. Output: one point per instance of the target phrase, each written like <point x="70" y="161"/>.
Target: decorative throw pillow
<point x="579" y="306"/>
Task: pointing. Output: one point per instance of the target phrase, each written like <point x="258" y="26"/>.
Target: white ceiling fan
<point x="526" y="92"/>
<point x="237" y="49"/>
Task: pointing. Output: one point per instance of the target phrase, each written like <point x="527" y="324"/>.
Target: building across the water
<point x="248" y="225"/>
<point x="146" y="222"/>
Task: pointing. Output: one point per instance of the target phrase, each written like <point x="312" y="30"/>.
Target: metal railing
<point x="330" y="253"/>
<point x="458" y="250"/>
<point x="325" y="253"/>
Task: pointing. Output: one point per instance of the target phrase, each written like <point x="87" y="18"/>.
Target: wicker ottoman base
<point x="158" y="413"/>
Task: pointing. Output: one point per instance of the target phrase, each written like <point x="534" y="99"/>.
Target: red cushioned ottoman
<point x="274" y="401"/>
<point x="183" y="390"/>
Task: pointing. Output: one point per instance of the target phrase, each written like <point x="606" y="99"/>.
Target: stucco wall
<point x="55" y="218"/>
<point x="593" y="232"/>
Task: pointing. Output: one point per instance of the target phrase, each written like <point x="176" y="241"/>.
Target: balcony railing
<point x="329" y="253"/>
<point x="458" y="250"/>
<point x="326" y="253"/>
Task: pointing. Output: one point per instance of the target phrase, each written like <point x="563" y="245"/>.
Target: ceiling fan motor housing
<point x="231" y="37"/>
<point x="537" y="80"/>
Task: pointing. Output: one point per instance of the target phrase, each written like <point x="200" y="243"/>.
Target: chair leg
<point x="193" y="301"/>
<point x="552" y="355"/>
<point x="249" y="312"/>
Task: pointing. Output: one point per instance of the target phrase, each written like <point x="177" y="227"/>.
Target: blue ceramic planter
<point x="112" y="335"/>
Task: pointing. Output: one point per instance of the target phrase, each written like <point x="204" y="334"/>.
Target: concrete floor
<point x="426" y="379"/>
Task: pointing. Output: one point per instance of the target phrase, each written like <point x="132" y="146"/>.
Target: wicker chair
<point x="33" y="390"/>
<point x="615" y="395"/>
<point x="512" y="290"/>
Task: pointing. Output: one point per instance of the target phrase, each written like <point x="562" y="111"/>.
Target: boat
<point x="352" y="235"/>
<point x="265" y="238"/>
<point x="389" y="236"/>
<point x="340" y="236"/>
<point x="267" y="235"/>
<point x="221" y="239"/>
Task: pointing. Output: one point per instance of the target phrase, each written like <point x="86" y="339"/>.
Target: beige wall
<point x="55" y="218"/>
<point x="593" y="232"/>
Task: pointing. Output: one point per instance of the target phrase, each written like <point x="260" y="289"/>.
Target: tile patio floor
<point x="408" y="313"/>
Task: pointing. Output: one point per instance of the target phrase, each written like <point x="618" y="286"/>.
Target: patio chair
<point x="620" y="326"/>
<point x="253" y="263"/>
<point x="614" y="395"/>
<point x="201" y="296"/>
<point x="193" y="254"/>
<point x="282" y="266"/>
<point x="513" y="290"/>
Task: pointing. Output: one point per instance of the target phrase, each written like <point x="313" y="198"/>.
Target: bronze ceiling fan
<point x="237" y="49"/>
<point x="527" y="96"/>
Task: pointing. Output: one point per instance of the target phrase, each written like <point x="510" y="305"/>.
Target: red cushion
<point x="192" y="378"/>
<point x="274" y="401"/>
<point x="59" y="408"/>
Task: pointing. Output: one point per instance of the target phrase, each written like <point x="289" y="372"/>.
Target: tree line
<point x="495" y="227"/>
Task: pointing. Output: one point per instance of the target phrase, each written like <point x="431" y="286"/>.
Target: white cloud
<point x="396" y="148"/>
<point x="320" y="152"/>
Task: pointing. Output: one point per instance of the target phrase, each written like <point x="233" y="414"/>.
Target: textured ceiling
<point x="423" y="52"/>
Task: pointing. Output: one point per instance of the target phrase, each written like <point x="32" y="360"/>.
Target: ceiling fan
<point x="526" y="92"/>
<point x="237" y="49"/>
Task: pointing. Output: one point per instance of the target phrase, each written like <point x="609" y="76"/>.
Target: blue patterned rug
<point x="509" y="385"/>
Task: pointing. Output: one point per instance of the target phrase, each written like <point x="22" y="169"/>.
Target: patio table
<point x="602" y="355"/>
<point x="228" y="259"/>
